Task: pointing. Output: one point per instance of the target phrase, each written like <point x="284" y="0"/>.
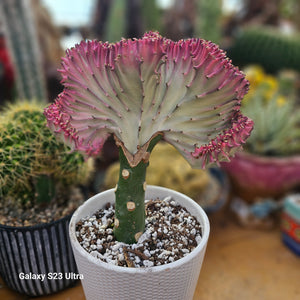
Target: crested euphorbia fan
<point x="143" y="90"/>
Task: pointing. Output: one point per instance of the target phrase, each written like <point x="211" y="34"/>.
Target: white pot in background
<point x="176" y="280"/>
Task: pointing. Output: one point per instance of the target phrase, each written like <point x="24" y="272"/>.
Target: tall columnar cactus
<point x="208" y="22"/>
<point x="32" y="161"/>
<point x="143" y="90"/>
<point x="18" y="23"/>
<point x="116" y="21"/>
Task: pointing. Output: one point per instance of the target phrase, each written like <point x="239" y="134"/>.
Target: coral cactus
<point x="32" y="160"/>
<point x="143" y="90"/>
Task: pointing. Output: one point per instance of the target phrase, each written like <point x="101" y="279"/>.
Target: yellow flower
<point x="255" y="74"/>
<point x="270" y="84"/>
<point x="280" y="101"/>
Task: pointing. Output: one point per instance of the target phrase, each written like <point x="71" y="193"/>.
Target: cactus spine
<point x="20" y="33"/>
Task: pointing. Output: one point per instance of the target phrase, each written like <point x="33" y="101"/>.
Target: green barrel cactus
<point x="142" y="91"/>
<point x="32" y="161"/>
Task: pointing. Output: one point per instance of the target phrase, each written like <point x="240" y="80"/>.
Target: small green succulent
<point x="277" y="129"/>
<point x="271" y="105"/>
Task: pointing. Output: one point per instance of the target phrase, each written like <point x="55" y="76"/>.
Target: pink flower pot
<point x="259" y="176"/>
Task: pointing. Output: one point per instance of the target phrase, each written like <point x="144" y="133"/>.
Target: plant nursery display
<point x="141" y="91"/>
<point x="39" y="180"/>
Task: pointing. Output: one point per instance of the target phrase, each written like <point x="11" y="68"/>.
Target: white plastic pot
<point x="176" y="280"/>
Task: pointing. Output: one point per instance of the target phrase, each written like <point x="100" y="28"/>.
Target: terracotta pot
<point x="176" y="280"/>
<point x="260" y="176"/>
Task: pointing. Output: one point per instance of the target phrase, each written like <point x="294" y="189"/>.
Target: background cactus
<point x="268" y="47"/>
<point x="116" y="21"/>
<point x="20" y="33"/>
<point x="33" y="163"/>
<point x="143" y="90"/>
<point x="208" y="23"/>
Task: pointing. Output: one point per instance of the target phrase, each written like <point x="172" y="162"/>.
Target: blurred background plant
<point x="35" y="168"/>
<point x="22" y="42"/>
<point x="271" y="103"/>
<point x="31" y="51"/>
<point x="267" y="46"/>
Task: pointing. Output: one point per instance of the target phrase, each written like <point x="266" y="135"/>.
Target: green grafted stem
<point x="130" y="198"/>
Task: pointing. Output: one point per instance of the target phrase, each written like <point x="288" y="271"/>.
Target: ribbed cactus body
<point x="31" y="159"/>
<point x="187" y="93"/>
<point x="22" y="40"/>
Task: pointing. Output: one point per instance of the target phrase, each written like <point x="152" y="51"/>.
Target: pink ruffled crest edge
<point x="221" y="147"/>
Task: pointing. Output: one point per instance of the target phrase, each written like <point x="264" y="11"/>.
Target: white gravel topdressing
<point x="170" y="234"/>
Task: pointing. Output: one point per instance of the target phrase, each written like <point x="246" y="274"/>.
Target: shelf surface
<point x="240" y="263"/>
